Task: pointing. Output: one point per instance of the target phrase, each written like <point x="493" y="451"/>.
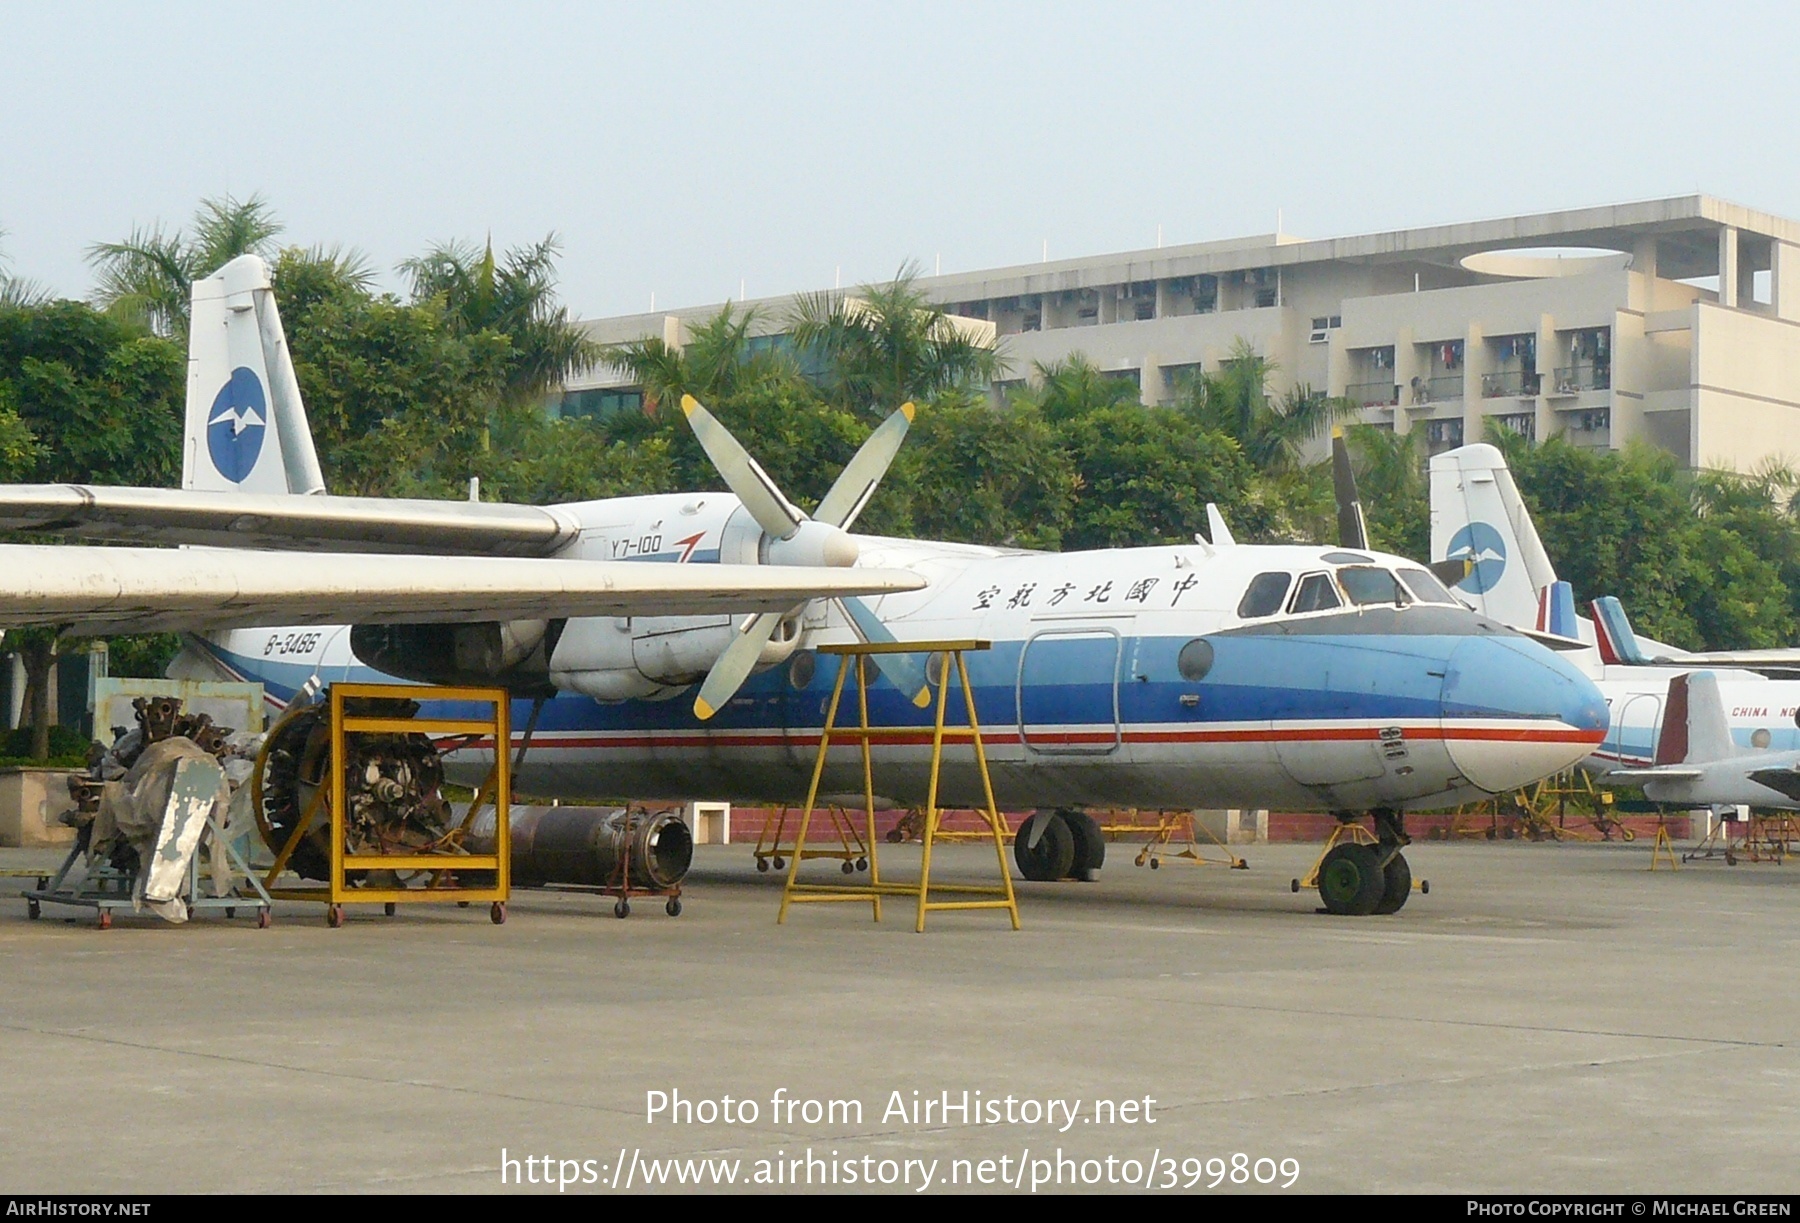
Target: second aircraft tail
<point x="1478" y="516"/>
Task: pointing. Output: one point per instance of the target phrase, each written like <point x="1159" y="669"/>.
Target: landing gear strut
<point x="1358" y="878"/>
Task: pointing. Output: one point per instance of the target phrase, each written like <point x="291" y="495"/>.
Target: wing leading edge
<point x="283" y="521"/>
<point x="96" y="591"/>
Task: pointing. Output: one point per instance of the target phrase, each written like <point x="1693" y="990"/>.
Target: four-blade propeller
<point x="795" y="539"/>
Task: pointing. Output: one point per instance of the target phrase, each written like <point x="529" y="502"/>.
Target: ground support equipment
<point x="1180" y="829"/>
<point x="851" y="850"/>
<point x="1722" y="841"/>
<point x="620" y="886"/>
<point x="106" y="889"/>
<point x="1663" y="846"/>
<point x="855" y="657"/>
<point x="444" y="863"/>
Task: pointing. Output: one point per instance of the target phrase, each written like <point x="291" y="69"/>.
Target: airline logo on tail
<point x="1485" y="547"/>
<point x="236" y="425"/>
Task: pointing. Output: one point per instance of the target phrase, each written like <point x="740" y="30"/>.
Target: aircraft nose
<point x="1514" y="712"/>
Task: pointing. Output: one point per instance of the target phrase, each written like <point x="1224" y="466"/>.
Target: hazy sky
<point x="680" y="149"/>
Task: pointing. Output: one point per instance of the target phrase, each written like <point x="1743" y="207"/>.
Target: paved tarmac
<point x="1549" y="1017"/>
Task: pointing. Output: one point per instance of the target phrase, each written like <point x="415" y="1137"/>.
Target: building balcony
<point x="1373" y="394"/>
<point x="1574" y="379"/>
<point x="1445" y="388"/>
<point x="1516" y="383"/>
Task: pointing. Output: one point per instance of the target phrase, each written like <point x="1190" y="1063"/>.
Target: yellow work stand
<point x="441" y="862"/>
<point x="968" y="896"/>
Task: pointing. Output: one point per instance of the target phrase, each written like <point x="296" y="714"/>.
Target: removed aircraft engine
<point x="588" y="846"/>
<point x="393" y="799"/>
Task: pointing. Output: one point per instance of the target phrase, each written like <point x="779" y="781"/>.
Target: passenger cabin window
<point x="1369" y="586"/>
<point x="1316" y="593"/>
<point x="1264" y="597"/>
<point x="1426" y="588"/>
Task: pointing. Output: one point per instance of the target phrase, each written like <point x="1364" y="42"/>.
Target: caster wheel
<point x="1155" y="865"/>
<point x="781" y="864"/>
<point x="849" y="867"/>
<point x="33" y="910"/>
<point x="230" y="912"/>
<point x="762" y="864"/>
<point x="1140" y="860"/>
<point x="1489" y="834"/>
<point x="263" y="918"/>
<point x="673" y="908"/>
<point x="462" y="904"/>
<point x="334" y="916"/>
<point x="1424" y="887"/>
<point x="895" y="836"/>
<point x="105" y="922"/>
<point x="1626" y="834"/>
<point x="622" y="909"/>
<point x="1730" y="860"/>
<point x="1293" y="885"/>
<point x="389" y="909"/>
<point x="497" y="913"/>
<point x="862" y="864"/>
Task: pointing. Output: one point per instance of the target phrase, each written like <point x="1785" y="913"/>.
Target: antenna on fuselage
<point x="1215" y="526"/>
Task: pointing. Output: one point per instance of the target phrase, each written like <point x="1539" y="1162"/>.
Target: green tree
<point x="717" y="361"/>
<point x="1272" y="431"/>
<point x="1146" y="475"/>
<point x="887" y="345"/>
<point x="1390" y="479"/>
<point x="148" y="278"/>
<point x="513" y="296"/>
<point x="1064" y="390"/>
<point x="975" y="474"/>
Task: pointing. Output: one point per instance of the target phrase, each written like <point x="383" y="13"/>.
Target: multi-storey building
<point x="1672" y="321"/>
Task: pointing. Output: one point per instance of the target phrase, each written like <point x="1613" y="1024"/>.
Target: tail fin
<point x="1695" y="729"/>
<point x="1613" y="635"/>
<point x="1476" y="513"/>
<point x="240" y="381"/>
<point x="1556" y="611"/>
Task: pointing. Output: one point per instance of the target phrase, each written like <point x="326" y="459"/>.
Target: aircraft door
<point x="1636" y="728"/>
<point x="1068" y="692"/>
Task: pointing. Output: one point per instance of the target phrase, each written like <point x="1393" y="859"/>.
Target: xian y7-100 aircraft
<point x="1204" y="674"/>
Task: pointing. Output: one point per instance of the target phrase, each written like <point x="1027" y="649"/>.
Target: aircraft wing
<point x="284" y="521"/>
<point x="98" y="591"/>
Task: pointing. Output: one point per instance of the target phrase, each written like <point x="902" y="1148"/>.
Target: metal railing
<point x="1509" y="382"/>
<point x="1373" y="394"/>
<point x="1445" y="388"/>
<point x="1573" y="379"/>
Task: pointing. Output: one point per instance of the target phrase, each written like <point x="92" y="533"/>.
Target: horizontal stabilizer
<point x="100" y="591"/>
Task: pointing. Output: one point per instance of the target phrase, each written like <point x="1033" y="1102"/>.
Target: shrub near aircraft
<point x="1207" y="673"/>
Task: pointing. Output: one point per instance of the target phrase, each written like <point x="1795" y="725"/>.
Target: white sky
<point x="680" y="149"/>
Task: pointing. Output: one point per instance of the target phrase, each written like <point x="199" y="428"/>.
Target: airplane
<point x="1698" y="764"/>
<point x="1296" y="677"/>
<point x="1479" y="519"/>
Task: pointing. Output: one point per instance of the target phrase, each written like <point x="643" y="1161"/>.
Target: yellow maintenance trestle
<point x="856" y="657"/>
<point x="441" y="863"/>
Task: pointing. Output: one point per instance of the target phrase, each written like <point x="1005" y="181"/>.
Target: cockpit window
<point x="1425" y="587"/>
<point x="1316" y="593"/>
<point x="1368" y="585"/>
<point x="1264" y="597"/>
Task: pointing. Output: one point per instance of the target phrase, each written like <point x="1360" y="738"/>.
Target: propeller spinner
<point x="795" y="539"/>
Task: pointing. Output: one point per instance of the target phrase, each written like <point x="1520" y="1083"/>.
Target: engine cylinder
<point x="585" y="845"/>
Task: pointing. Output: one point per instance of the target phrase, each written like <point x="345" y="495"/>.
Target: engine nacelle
<point x="648" y="657"/>
<point x="511" y="653"/>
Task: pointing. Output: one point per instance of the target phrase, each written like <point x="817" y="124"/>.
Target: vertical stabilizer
<point x="1556" y="611"/>
<point x="1695" y="729"/>
<point x="1613" y="636"/>
<point x="246" y="427"/>
<point x="1476" y="513"/>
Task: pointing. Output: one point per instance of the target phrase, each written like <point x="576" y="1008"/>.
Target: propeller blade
<point x="856" y="483"/>
<point x="1353" y="528"/>
<point x="772" y="511"/>
<point x="1453" y="570"/>
<point x="904" y="671"/>
<point x="733" y="667"/>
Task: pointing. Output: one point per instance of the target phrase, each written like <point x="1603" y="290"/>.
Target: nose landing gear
<point x="1361" y="874"/>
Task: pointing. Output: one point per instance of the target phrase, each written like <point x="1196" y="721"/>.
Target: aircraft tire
<point x="1090" y="845"/>
<point x="1398" y="885"/>
<point x="1351" y="881"/>
<point x="1055" y="851"/>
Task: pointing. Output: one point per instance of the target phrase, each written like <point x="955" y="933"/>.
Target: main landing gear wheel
<point x="1351" y="881"/>
<point x="1397" y="887"/>
<point x="1090" y="844"/>
<point x="1054" y="853"/>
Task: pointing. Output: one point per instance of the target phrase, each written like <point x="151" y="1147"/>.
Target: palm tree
<point x="1273" y="432"/>
<point x="18" y="292"/>
<point x="718" y="359"/>
<point x="1075" y="387"/>
<point x="149" y="277"/>
<point x="514" y="296"/>
<point x="888" y="344"/>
